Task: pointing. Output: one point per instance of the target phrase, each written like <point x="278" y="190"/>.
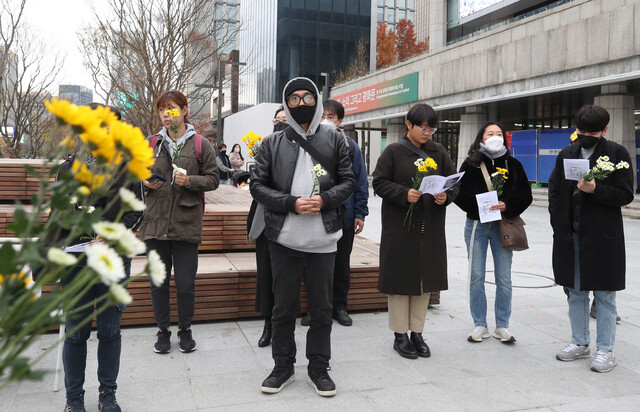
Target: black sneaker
<point x="306" y="320"/>
<point x="107" y="402"/>
<point x="320" y="380"/>
<point x="163" y="345"/>
<point x="280" y="377"/>
<point x="75" y="405"/>
<point x="187" y="344"/>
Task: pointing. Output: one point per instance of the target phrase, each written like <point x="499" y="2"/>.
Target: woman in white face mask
<point x="489" y="149"/>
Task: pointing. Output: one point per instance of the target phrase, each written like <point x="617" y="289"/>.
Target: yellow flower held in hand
<point x="173" y="112"/>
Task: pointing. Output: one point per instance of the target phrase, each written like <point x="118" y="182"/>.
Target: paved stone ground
<point x="226" y="371"/>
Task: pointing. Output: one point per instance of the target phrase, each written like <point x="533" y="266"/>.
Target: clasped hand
<point x="309" y="205"/>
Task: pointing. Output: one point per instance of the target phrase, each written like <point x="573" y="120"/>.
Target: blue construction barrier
<point x="550" y="143"/>
<point x="524" y="147"/>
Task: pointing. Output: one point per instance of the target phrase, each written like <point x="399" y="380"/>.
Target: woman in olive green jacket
<point x="172" y="224"/>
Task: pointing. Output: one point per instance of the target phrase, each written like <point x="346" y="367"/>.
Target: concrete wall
<point x="582" y="43"/>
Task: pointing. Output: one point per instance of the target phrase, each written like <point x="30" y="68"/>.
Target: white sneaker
<point x="478" y="333"/>
<point x="572" y="352"/>
<point x="603" y="361"/>
<point x="504" y="335"/>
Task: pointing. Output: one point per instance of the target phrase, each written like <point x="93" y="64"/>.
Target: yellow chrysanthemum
<point x="431" y="164"/>
<point x="84" y="191"/>
<point x="81" y="172"/>
<point x="101" y="144"/>
<point x="79" y="117"/>
<point x="173" y="112"/>
<point x="250" y="153"/>
<point x="136" y="148"/>
<point x="106" y="116"/>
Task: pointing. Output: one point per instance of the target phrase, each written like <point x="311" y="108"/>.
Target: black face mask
<point x="303" y="113"/>
<point x="223" y="151"/>
<point x="280" y="126"/>
<point x="587" y="142"/>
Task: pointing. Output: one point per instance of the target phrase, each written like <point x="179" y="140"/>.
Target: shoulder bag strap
<point x="199" y="147"/>
<point x="328" y="166"/>
<point x="485" y="173"/>
<point x="414" y="149"/>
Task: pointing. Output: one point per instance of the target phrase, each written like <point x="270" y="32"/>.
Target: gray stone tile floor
<point x="225" y="373"/>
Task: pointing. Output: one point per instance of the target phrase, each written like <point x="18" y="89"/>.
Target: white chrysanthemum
<point x="605" y="158"/>
<point x="131" y="201"/>
<point x="105" y="262"/>
<point x="130" y="245"/>
<point x="91" y="209"/>
<point x="316" y="167"/>
<point x="155" y="268"/>
<point x="119" y="294"/>
<point x="323" y="172"/>
<point x="73" y="200"/>
<point x="622" y="165"/>
<point x="109" y="230"/>
<point x="60" y="257"/>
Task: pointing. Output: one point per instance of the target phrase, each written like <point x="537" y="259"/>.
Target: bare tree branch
<point x="27" y="73"/>
<point x="150" y="46"/>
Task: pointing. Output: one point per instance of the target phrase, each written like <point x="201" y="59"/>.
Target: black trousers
<point x="289" y="267"/>
<point x="183" y="256"/>
<point x="264" y="292"/>
<point x="342" y="271"/>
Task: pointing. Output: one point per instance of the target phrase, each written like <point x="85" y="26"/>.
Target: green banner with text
<point x="396" y="91"/>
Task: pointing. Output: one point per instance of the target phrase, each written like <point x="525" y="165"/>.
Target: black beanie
<point x="300" y="84"/>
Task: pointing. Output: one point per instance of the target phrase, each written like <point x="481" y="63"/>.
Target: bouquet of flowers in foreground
<point x="316" y="172"/>
<point x="423" y="169"/>
<point x="253" y="142"/>
<point x="107" y="151"/>
<point x="601" y="170"/>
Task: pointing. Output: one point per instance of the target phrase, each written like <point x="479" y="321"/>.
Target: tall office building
<point x="283" y="39"/>
<point x="76" y="94"/>
<point x="392" y="11"/>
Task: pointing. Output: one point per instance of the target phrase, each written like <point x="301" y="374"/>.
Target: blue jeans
<point x="224" y="181"/>
<point x="477" y="236"/>
<point x="579" y="311"/>
<point x="74" y="351"/>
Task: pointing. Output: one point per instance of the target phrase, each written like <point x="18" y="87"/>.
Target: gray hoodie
<point x="306" y="233"/>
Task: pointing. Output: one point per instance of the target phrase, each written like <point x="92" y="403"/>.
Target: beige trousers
<point x="408" y="312"/>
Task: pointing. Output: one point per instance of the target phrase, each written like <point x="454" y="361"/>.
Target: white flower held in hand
<point x="129" y="245"/>
<point x="130" y="201"/>
<point x="105" y="262"/>
<point x="155" y="268"/>
<point x="119" y="294"/>
<point x="60" y="257"/>
<point x="109" y="230"/>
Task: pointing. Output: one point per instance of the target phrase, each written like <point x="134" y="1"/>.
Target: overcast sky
<point x="58" y="22"/>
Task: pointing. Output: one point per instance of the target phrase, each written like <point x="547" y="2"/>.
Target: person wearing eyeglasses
<point x="413" y="250"/>
<point x="490" y="148"/>
<point x="303" y="223"/>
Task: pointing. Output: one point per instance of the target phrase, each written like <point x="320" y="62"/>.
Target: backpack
<point x="198" y="142"/>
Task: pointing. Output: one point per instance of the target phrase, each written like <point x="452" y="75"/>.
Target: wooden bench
<point x="16" y="183"/>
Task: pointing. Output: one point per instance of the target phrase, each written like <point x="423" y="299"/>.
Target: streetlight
<point x="221" y="64"/>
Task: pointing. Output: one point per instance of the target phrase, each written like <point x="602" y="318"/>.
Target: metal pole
<point x="325" y="88"/>
<point x="219" y="118"/>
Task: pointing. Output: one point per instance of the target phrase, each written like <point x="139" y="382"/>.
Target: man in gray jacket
<point x="303" y="223"/>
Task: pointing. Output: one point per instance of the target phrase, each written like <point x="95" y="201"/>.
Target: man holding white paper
<point x="588" y="235"/>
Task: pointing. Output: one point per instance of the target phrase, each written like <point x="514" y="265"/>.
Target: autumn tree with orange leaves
<point x="406" y="43"/>
<point x="386" y="46"/>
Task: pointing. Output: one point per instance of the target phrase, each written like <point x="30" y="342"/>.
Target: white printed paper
<point x="79" y="248"/>
<point x="574" y="169"/>
<point x="485" y="201"/>
<point x="437" y="184"/>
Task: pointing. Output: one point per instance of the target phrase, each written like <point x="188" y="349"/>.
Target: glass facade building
<point x="283" y="39"/>
<point x="392" y="11"/>
<point x="76" y="94"/>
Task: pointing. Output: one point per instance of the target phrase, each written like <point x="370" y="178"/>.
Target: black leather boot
<point x="265" y="339"/>
<point x="420" y="345"/>
<point x="403" y="345"/>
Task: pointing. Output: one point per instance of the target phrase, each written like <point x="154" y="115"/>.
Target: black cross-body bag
<point x="327" y="165"/>
<point x="414" y="149"/>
